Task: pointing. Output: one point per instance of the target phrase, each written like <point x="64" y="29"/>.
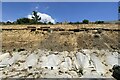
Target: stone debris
<point x="82" y="60"/>
<point x="14" y="58"/>
<point x="85" y="63"/>
<point x="98" y="64"/>
<point x="112" y="59"/>
<point x="66" y="65"/>
<point x="50" y="62"/>
<point x="31" y="60"/>
<point x="3" y="56"/>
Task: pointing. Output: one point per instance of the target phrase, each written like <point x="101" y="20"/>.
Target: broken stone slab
<point x="100" y="68"/>
<point x="4" y="62"/>
<point x="9" y="61"/>
<point x="92" y="75"/>
<point x="3" y="56"/>
<point x="56" y="61"/>
<point x="66" y="65"/>
<point x="14" y="58"/>
<point x="2" y="66"/>
<point x="75" y="63"/>
<point x="31" y="60"/>
<point x="112" y="59"/>
<point x="82" y="60"/>
<point x="51" y="61"/>
<point x="73" y="74"/>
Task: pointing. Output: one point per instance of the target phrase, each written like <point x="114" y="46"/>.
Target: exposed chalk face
<point x="66" y="65"/>
<point x="50" y="61"/>
<point x="31" y="60"/>
<point x="92" y="75"/>
<point x="4" y="62"/>
<point x="112" y="58"/>
<point x="85" y="63"/>
<point x="3" y="56"/>
<point x="14" y="58"/>
<point x="98" y="64"/>
<point x="82" y="60"/>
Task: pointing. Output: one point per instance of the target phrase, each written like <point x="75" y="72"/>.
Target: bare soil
<point x="60" y="40"/>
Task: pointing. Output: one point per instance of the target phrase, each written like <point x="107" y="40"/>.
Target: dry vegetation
<point x="65" y="26"/>
<point x="60" y="40"/>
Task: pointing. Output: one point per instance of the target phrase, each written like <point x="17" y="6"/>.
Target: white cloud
<point x="9" y="21"/>
<point x="36" y="7"/>
<point x="44" y="17"/>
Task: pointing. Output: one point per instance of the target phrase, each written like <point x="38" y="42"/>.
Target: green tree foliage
<point x="85" y="21"/>
<point x="119" y="12"/>
<point x="99" y="22"/>
<point x="23" y="21"/>
<point x="8" y="22"/>
<point x="70" y="23"/>
<point x="58" y="22"/>
<point x="2" y="23"/>
<point x="50" y="23"/>
<point x="35" y="17"/>
<point x="76" y="22"/>
<point x="119" y="9"/>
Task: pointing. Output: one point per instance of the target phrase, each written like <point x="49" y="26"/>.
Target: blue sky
<point x="62" y="11"/>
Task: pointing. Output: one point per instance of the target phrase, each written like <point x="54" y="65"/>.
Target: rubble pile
<point x="84" y="63"/>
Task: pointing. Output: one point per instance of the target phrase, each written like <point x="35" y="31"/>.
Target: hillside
<point x="97" y="38"/>
<point x="59" y="51"/>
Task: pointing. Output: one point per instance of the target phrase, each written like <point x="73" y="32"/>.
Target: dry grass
<point x="59" y="41"/>
<point x="65" y="26"/>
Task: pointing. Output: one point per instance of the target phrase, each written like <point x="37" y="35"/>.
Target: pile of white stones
<point x="85" y="63"/>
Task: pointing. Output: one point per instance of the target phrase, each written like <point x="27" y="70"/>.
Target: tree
<point x="70" y="23"/>
<point x="2" y="23"/>
<point x="8" y="22"/>
<point x="85" y="21"/>
<point x="99" y="22"/>
<point x="35" y="17"/>
<point x="76" y="22"/>
<point x="50" y="23"/>
<point x="119" y="9"/>
<point x="58" y="22"/>
<point x="23" y="21"/>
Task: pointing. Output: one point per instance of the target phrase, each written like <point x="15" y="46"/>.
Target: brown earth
<point x="60" y="40"/>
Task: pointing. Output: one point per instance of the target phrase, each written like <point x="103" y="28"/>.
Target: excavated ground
<point x="69" y="54"/>
<point x="60" y="40"/>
